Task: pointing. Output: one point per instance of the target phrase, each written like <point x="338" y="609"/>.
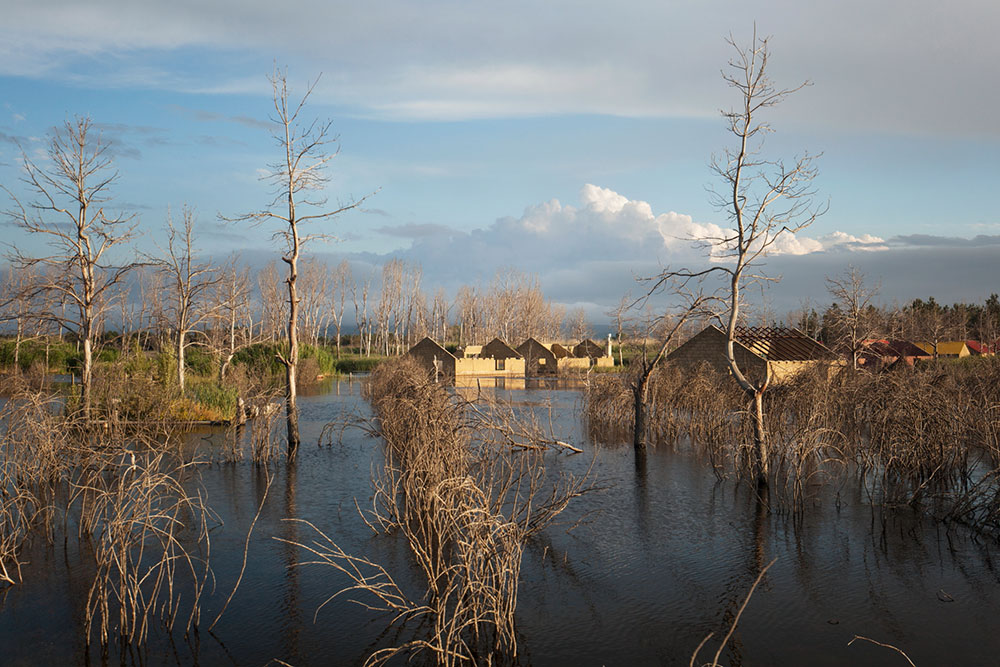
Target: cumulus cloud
<point x="590" y="251"/>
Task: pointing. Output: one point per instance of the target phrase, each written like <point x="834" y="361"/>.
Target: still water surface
<point x="636" y="574"/>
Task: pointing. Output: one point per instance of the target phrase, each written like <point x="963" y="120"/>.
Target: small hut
<point x="506" y="359"/>
<point x="437" y="361"/>
<point x="879" y="354"/>
<point x="538" y="358"/>
<point x="775" y="352"/>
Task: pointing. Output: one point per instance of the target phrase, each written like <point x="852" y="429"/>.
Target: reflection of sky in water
<point x="638" y="573"/>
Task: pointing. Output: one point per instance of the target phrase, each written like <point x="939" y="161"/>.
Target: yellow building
<point x="954" y="349"/>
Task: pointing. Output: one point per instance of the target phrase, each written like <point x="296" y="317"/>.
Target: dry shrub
<point x="926" y="436"/>
<point x="141" y="520"/>
<point x="120" y="483"/>
<point x="465" y="485"/>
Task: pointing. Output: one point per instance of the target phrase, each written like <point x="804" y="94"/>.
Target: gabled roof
<point x="781" y="344"/>
<point x="558" y="350"/>
<point x="532" y="348"/>
<point x="430" y="345"/>
<point x="588" y="348"/>
<point x="498" y="349"/>
<point x="894" y="348"/>
<point x="978" y="348"/>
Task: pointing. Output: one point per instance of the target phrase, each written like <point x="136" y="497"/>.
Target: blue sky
<point x="495" y="133"/>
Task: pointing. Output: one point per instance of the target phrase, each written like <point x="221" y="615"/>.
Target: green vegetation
<point x="146" y="384"/>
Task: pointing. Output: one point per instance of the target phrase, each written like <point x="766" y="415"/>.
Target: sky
<point x="567" y="139"/>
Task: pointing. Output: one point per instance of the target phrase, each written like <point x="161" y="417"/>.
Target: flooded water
<point x="636" y="573"/>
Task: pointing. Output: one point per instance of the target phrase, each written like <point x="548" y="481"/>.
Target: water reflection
<point x="292" y="617"/>
<point x="636" y="574"/>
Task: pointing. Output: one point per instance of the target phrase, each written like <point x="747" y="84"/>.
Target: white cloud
<point x="592" y="251"/>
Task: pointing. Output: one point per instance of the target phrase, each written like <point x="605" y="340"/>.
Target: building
<point x="440" y="363"/>
<point x="980" y="349"/>
<point x="948" y="349"/>
<point x="539" y="359"/>
<point x="594" y="353"/>
<point x="879" y="354"/>
<point x="775" y="352"/>
<point x="507" y="360"/>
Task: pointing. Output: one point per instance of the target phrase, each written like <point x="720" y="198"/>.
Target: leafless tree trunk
<point x="361" y="316"/>
<point x="644" y="364"/>
<point x="233" y="328"/>
<point x="338" y="297"/>
<point x="68" y="211"/>
<point x="764" y="200"/>
<point x="857" y="321"/>
<point x="189" y="284"/>
<point x="307" y="149"/>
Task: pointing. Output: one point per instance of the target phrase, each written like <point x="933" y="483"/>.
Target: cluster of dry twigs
<point x="123" y="488"/>
<point x="465" y="485"/>
<point x="927" y="436"/>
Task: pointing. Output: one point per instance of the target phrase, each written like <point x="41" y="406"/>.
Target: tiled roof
<point x="782" y="344"/>
<point x="979" y="348"/>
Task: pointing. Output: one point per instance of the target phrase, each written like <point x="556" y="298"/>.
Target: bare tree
<point x="664" y="328"/>
<point x="18" y="303"/>
<point x="857" y="321"/>
<point x="69" y="193"/>
<point x="273" y="305"/>
<point x="390" y="300"/>
<point x="439" y="315"/>
<point x="307" y="148"/>
<point x="468" y="303"/>
<point x="233" y="327"/>
<point x="340" y="280"/>
<point x="764" y="200"/>
<point x="576" y="321"/>
<point x="188" y="286"/>
<point x="315" y="299"/>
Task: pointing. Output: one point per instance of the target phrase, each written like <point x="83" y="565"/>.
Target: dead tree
<point x="644" y="364"/>
<point x="338" y="296"/>
<point x="307" y="148"/>
<point x="233" y="328"/>
<point x="857" y="321"/>
<point x="188" y="284"/>
<point x="764" y="200"/>
<point x="67" y="209"/>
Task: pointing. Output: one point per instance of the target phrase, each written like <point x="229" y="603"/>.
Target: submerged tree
<point x="70" y="190"/>
<point x="764" y="200"/>
<point x="307" y="147"/>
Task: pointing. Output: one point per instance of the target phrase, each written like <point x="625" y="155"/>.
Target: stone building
<point x="440" y="363"/>
<point x="780" y="351"/>
<point x="593" y="353"/>
<point x="539" y="359"/>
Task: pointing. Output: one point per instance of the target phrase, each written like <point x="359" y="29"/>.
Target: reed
<point x="465" y="485"/>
